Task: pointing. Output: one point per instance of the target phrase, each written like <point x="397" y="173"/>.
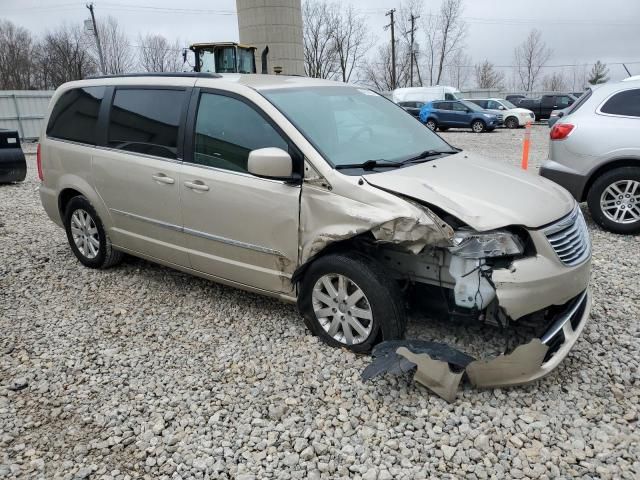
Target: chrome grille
<point x="569" y="238"/>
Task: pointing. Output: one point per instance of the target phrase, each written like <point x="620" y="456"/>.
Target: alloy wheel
<point x="85" y="233"/>
<point x="342" y="309"/>
<point x="620" y="201"/>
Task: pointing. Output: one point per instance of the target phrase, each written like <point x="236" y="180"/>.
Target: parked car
<point x="515" y="98"/>
<point x="595" y="154"/>
<point x="13" y="166"/>
<point x="514" y="117"/>
<point x="458" y="114"/>
<point x="425" y="94"/>
<point x="412" y="107"/>
<point x="558" y="114"/>
<point x="314" y="192"/>
<point x="543" y="106"/>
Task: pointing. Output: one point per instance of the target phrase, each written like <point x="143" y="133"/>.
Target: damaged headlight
<point x="470" y="244"/>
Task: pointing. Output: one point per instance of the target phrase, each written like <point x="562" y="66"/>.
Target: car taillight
<point x="39" y="163"/>
<point x="560" y="131"/>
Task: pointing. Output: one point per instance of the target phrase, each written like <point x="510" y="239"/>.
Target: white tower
<point x="277" y="24"/>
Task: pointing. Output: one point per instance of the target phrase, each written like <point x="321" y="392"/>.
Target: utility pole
<point x="412" y="55"/>
<point x="393" y="47"/>
<point x="95" y="32"/>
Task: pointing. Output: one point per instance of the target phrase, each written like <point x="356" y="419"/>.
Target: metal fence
<point x="24" y="111"/>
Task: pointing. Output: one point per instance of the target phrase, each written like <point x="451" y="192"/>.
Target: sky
<point x="578" y="31"/>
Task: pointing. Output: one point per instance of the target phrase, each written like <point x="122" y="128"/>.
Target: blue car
<point x="448" y="114"/>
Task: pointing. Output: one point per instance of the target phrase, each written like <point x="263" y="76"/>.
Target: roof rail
<point x="160" y="74"/>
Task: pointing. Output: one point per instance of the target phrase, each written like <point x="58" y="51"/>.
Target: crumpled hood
<point x="483" y="193"/>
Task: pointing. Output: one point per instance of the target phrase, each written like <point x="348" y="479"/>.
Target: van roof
<point x="254" y="81"/>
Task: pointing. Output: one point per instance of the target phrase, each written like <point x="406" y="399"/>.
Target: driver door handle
<point x="197" y="185"/>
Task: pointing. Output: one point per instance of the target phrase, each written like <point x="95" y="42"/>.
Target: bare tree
<point x="428" y="51"/>
<point x="158" y="55"/>
<point x="530" y="56"/>
<point x="377" y="72"/>
<point x="554" y="82"/>
<point x="62" y="56"/>
<point x="487" y="76"/>
<point x="16" y="57"/>
<point x="452" y="31"/>
<point x="459" y="69"/>
<point x="350" y="41"/>
<point x="116" y="48"/>
<point x="319" y="21"/>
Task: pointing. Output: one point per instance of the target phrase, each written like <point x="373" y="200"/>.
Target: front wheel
<point x="87" y="237"/>
<point x="614" y="200"/>
<point x="349" y="301"/>
<point x="478" y="126"/>
<point x="511" y="122"/>
<point x="431" y="124"/>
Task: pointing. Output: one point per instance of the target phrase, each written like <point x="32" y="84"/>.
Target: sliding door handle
<point x="197" y="185"/>
<point x="162" y="178"/>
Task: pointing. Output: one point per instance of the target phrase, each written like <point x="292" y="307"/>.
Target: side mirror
<point x="560" y="114"/>
<point x="501" y="108"/>
<point x="270" y="163"/>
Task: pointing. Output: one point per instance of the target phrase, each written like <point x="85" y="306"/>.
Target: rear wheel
<point x="478" y="126"/>
<point x="511" y="122"/>
<point x="87" y="237"/>
<point x="614" y="200"/>
<point x="349" y="301"/>
<point x="431" y="124"/>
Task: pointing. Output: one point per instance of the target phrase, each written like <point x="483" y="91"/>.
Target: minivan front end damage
<point x="501" y="277"/>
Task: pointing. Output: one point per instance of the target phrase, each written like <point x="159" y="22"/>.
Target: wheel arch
<point x="607" y="167"/>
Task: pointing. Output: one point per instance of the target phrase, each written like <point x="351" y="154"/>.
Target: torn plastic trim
<point x="436" y="364"/>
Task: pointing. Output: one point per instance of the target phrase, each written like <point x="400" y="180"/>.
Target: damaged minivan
<point x="315" y="192"/>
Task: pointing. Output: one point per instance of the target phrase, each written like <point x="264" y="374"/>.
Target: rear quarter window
<point x="626" y="103"/>
<point x="75" y="115"/>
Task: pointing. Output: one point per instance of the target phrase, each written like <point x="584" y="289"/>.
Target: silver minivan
<point x="314" y="192"/>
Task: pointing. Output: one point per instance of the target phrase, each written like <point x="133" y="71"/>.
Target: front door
<point x="238" y="227"/>
<point x="138" y="175"/>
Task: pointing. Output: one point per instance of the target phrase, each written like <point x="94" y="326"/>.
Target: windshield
<point x="471" y="106"/>
<point x="350" y="125"/>
<point x="507" y="104"/>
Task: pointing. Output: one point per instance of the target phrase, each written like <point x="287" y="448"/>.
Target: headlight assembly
<point x="470" y="244"/>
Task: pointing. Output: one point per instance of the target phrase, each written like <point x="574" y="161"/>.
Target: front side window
<point x="146" y="121"/>
<point x="459" y="107"/>
<point x="493" y="105"/>
<point x="75" y="115"/>
<point x="625" y="103"/>
<point x="350" y="125"/>
<point x="563" y="102"/>
<point x="227" y="129"/>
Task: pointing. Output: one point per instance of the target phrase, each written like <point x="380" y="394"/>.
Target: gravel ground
<point x="144" y="372"/>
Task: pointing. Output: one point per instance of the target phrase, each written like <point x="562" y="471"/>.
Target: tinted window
<point x="75" y="115"/>
<point x="228" y="129"/>
<point x="458" y="107"/>
<point x="449" y="96"/>
<point x="493" y="105"/>
<point x="624" y="103"/>
<point x="442" y="106"/>
<point x="146" y="121"/>
<point x="563" y="102"/>
<point x="480" y="103"/>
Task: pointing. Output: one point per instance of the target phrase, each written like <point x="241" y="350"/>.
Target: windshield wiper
<point x="428" y="154"/>
<point x="370" y="164"/>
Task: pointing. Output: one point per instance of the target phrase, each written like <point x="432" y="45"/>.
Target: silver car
<point x="318" y="193"/>
<point x="512" y="116"/>
<point x="595" y="154"/>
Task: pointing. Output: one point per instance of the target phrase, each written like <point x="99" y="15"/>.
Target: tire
<point x="606" y="190"/>
<point x="478" y="126"/>
<point x="381" y="301"/>
<point x="511" y="122"/>
<point x="444" y="129"/>
<point x="93" y="248"/>
<point x="431" y="124"/>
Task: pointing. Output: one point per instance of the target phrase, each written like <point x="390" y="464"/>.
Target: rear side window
<point x="625" y="103"/>
<point x="75" y="115"/>
<point x="227" y="129"/>
<point x="146" y="121"/>
<point x="480" y="103"/>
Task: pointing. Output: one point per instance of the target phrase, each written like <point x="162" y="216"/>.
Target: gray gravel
<point x="144" y="372"/>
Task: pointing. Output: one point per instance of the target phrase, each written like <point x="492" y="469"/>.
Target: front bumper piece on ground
<point x="441" y="367"/>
